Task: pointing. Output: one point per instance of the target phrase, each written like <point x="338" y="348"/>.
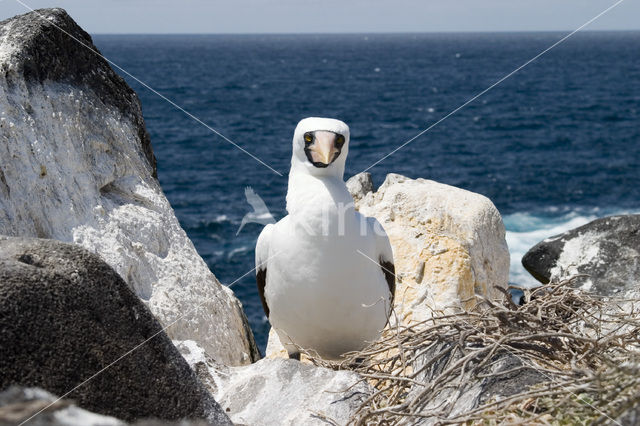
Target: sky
<point x="335" y="16"/>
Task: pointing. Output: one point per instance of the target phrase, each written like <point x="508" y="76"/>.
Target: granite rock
<point x="604" y="252"/>
<point x="76" y="165"/>
<point x="448" y="245"/>
<point x="360" y="185"/>
<point x="279" y="391"/>
<point x="69" y="324"/>
<point x="18" y="404"/>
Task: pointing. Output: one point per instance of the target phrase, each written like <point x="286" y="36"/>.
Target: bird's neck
<point x="318" y="201"/>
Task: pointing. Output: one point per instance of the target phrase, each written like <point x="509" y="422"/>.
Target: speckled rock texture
<point x="65" y="315"/>
<point x="279" y="391"/>
<point x="606" y="252"/>
<point x="76" y="165"/>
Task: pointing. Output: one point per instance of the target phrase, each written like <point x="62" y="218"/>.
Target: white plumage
<point x="324" y="272"/>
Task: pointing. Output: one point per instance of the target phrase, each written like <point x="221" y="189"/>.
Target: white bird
<point x="260" y="213"/>
<point x="325" y="272"/>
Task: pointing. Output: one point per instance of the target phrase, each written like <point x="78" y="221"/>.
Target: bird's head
<point x="320" y="147"/>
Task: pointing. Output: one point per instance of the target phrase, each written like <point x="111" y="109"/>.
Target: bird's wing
<point x="262" y="257"/>
<point x="385" y="255"/>
<point x="255" y="201"/>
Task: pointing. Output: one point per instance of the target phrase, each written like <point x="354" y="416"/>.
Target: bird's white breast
<point x="323" y="293"/>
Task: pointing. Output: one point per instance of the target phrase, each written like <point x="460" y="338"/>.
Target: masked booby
<point x="325" y="272"/>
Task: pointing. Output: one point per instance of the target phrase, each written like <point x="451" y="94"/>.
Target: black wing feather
<point x="389" y="271"/>
<point x="261" y="280"/>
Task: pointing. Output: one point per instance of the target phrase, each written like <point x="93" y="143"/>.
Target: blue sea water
<point x="554" y="146"/>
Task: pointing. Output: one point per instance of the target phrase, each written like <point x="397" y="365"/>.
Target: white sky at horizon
<point x="335" y="16"/>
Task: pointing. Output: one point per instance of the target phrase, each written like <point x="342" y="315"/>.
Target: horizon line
<point x="364" y="33"/>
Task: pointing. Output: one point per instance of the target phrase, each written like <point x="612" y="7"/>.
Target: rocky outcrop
<point x="76" y="165"/>
<point x="279" y="391"/>
<point x="605" y="253"/>
<point x="448" y="244"/>
<point x="68" y="322"/>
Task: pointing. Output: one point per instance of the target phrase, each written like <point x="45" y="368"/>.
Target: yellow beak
<point x="324" y="147"/>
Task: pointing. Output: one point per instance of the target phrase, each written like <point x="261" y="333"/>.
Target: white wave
<point x="221" y="218"/>
<point x="239" y="250"/>
<point x="524" y="230"/>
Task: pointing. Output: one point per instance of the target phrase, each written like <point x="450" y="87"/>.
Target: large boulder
<point x="448" y="244"/>
<point x="76" y="165"/>
<point x="69" y="324"/>
<point x="279" y="391"/>
<point x="605" y="253"/>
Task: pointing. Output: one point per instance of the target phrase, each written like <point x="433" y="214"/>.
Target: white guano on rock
<point x="76" y="166"/>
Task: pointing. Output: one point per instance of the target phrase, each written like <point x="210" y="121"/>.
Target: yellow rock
<point x="448" y="244"/>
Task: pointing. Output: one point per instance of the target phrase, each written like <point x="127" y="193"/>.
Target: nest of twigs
<point x="563" y="357"/>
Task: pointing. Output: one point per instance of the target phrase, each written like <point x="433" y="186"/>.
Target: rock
<point x="200" y="362"/>
<point x="280" y="391"/>
<point x="508" y="376"/>
<point x="68" y="320"/>
<point x="18" y="404"/>
<point x="360" y="185"/>
<point x="76" y="165"/>
<point x="448" y="245"/>
<point x="607" y="250"/>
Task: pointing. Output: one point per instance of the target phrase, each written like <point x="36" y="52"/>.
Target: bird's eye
<point x="339" y="140"/>
<point x="308" y="137"/>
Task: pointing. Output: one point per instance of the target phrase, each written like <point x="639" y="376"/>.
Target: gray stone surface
<point x="606" y="250"/>
<point x="279" y="391"/>
<point x="53" y="51"/>
<point x="65" y="315"/>
<point x="360" y="185"/>
<point x="463" y="394"/>
<point x="76" y="165"/>
<point x="18" y="404"/>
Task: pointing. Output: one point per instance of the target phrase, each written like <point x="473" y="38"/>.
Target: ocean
<point x="554" y="146"/>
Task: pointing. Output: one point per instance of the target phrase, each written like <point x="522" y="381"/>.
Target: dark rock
<point x="52" y="47"/>
<point x="66" y="316"/>
<point x="607" y="250"/>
